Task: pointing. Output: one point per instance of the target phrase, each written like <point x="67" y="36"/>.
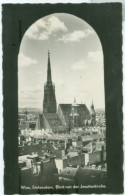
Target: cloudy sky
<point x="76" y="62"/>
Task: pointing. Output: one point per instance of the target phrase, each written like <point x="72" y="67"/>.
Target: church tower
<point x="93" y="115"/>
<point x="49" y="101"/>
<point x="74" y="113"/>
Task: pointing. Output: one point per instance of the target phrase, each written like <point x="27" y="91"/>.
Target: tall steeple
<point x="49" y="100"/>
<point x="49" y="78"/>
<point x="92" y="105"/>
<point x="93" y="115"/>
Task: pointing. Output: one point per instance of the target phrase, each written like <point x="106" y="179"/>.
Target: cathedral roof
<point x="82" y="109"/>
<point x="68" y="106"/>
<point x="51" y="115"/>
<point x="54" y="121"/>
<point x="65" y="106"/>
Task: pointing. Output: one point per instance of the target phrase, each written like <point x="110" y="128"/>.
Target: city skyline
<point x="76" y="61"/>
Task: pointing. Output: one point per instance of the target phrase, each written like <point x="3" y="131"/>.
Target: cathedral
<point x="64" y="117"/>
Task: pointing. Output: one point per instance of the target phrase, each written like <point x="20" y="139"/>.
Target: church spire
<point x="92" y="105"/>
<point x="74" y="100"/>
<point x="49" y="78"/>
<point x="49" y="100"/>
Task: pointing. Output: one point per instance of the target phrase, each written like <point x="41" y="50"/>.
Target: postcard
<point x="62" y="88"/>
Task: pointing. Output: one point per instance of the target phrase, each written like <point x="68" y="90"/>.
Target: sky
<point x="76" y="62"/>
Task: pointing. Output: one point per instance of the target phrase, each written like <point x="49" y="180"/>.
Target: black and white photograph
<point x="64" y="84"/>
<point x="62" y="125"/>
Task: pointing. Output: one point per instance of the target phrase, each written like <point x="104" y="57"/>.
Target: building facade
<point x="67" y="116"/>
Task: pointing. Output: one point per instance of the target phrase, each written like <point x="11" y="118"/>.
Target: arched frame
<point x="105" y="19"/>
<point x="79" y="51"/>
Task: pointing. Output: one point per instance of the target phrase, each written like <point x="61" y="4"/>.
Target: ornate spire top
<point x="49" y="78"/>
<point x="74" y="103"/>
<point x="92" y="105"/>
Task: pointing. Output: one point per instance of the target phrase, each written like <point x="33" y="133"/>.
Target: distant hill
<point x="30" y="109"/>
<point x="40" y="110"/>
<point x="100" y="110"/>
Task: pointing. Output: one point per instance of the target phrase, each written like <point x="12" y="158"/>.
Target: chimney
<point x="99" y="167"/>
<point x="78" y="167"/>
<point x="93" y="166"/>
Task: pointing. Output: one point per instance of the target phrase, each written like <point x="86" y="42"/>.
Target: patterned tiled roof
<point x="83" y="112"/>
